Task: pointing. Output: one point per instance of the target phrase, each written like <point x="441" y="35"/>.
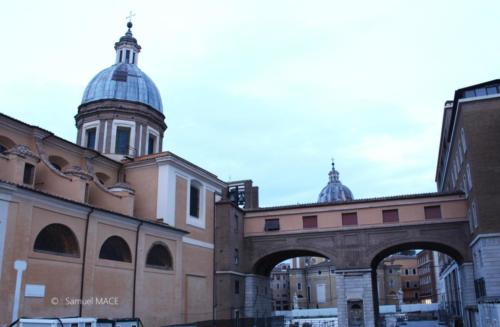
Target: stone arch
<point x="159" y="257"/>
<point x="115" y="248"/>
<point x="451" y="250"/>
<point x="57" y="239"/>
<point x="103" y="178"/>
<point x="58" y="162"/>
<point x="5" y="143"/>
<point x="457" y="251"/>
<point x="264" y="264"/>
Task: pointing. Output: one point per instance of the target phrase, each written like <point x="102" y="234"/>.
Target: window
<point x="151" y="144"/>
<point x="349" y="219"/>
<point x="277" y="285"/>
<point x="122" y="140"/>
<point x="432" y="212"/>
<point x="480" y="287"/>
<point x="299" y="286"/>
<point x="469" y="177"/>
<point x="127" y="56"/>
<point x="58" y="162"/>
<point x="236" y="257"/>
<point x="406" y="271"/>
<point x="90" y="135"/>
<point x="474" y="214"/>
<point x="133" y="57"/>
<point x="272" y="224"/>
<point x="390" y="216"/>
<point x="391" y="283"/>
<point x="194" y="201"/>
<point x="236" y="286"/>
<point x="407" y="284"/>
<point x="310" y="221"/>
<point x="462" y="136"/>
<point x="159" y="257"/>
<point x="236" y="223"/>
<point x="29" y="172"/>
<point x="57" y="239"/>
<point x="115" y="248"/>
<point x="414" y="271"/>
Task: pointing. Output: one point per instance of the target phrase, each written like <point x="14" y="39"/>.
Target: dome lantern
<point x="127" y="48"/>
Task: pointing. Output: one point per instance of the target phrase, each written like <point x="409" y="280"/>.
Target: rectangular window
<point x="310" y="221"/>
<point x="236" y="286"/>
<point x="236" y="223"/>
<point x="480" y="287"/>
<point x="474" y="214"/>
<point x="127" y="56"/>
<point x="194" y="201"/>
<point x="390" y="216"/>
<point x="122" y="140"/>
<point x="151" y="143"/>
<point x="469" y="177"/>
<point x="349" y="219"/>
<point x="432" y="212"/>
<point x="299" y="286"/>
<point x="491" y="90"/>
<point x="90" y="137"/>
<point x="29" y="171"/>
<point x="272" y="224"/>
<point x="133" y="57"/>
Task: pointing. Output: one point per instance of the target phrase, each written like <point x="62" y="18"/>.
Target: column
<point x="354" y="286"/>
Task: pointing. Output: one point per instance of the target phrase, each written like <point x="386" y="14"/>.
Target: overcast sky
<point x="267" y="90"/>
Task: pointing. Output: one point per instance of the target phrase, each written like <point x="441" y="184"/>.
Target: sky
<point x="267" y="90"/>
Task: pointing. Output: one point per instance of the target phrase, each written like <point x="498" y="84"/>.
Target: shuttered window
<point x="390" y="216"/>
<point x="349" y="219"/>
<point x="272" y="224"/>
<point x="433" y="212"/>
<point x="310" y="221"/>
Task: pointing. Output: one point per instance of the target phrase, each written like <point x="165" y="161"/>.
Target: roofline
<point x="158" y="157"/>
<point x="51" y="134"/>
<point x="146" y="221"/>
<point x="123" y="100"/>
<point x="367" y="200"/>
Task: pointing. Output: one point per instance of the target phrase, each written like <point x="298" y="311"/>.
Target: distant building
<point x="398" y="272"/>
<point x="280" y="287"/>
<point x="313" y="286"/>
<point x="427" y="262"/>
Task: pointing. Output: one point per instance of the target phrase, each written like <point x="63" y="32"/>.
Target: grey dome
<point x="334" y="191"/>
<point x="123" y="81"/>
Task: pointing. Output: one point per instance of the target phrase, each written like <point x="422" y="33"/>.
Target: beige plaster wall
<point x="369" y="214"/>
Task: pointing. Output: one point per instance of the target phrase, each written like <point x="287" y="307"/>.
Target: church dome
<point x="124" y="80"/>
<point x="334" y="191"/>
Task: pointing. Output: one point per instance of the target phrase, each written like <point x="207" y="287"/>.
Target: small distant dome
<point x="334" y="191"/>
<point x="123" y="81"/>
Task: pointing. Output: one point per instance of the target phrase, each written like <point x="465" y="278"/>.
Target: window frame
<point x="199" y="221"/>
<point x="272" y="228"/>
<point x="114" y="127"/>
<point x="85" y="127"/>
<point x="348" y="215"/>
<point x="156" y="134"/>
<point x="390" y="220"/>
<point x="311" y="221"/>
<point x="427" y="212"/>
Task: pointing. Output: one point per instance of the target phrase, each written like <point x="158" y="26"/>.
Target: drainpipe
<point x="214" y="278"/>
<point x="80" y="309"/>
<point x="135" y="268"/>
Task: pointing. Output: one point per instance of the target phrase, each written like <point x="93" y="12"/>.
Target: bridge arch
<point x="265" y="263"/>
<point x="455" y="253"/>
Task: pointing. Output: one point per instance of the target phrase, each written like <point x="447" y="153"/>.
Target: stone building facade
<point x="108" y="226"/>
